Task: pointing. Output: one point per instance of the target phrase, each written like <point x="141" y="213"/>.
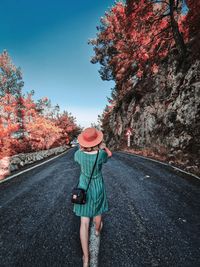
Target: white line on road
<point x="17" y="174"/>
<point x="94" y="247"/>
<point x="129" y="153"/>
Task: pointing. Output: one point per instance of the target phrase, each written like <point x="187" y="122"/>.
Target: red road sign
<point x="129" y="132"/>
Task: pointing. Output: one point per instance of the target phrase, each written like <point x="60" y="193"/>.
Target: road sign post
<point x="128" y="134"/>
<point x="129" y="140"/>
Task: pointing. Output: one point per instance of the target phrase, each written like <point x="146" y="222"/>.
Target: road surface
<point x="154" y="216"/>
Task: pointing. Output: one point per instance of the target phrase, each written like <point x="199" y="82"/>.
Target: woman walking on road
<point x="91" y="149"/>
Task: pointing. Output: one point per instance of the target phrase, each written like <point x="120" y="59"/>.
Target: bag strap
<point x="92" y="171"/>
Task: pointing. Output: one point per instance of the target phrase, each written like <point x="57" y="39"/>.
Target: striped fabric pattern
<point x="96" y="202"/>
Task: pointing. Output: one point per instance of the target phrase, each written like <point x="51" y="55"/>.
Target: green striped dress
<point x="96" y="202"/>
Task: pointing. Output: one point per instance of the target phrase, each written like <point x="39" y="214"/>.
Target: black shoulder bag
<point x="78" y="195"/>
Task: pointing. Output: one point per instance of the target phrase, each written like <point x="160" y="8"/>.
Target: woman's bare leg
<point x="84" y="233"/>
<point x="97" y="220"/>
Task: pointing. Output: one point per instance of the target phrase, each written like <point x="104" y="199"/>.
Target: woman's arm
<point x="103" y="146"/>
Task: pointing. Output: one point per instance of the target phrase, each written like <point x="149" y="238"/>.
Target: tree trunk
<point x="176" y="33"/>
<point x="19" y="114"/>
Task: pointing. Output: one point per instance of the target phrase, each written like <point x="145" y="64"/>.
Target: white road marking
<point x="17" y="174"/>
<point x="94" y="244"/>
<point x="161" y="163"/>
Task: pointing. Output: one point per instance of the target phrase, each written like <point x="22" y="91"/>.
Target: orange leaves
<point x="5" y="63"/>
<point x="145" y="40"/>
<point x="139" y="73"/>
<point x="119" y="45"/>
<point x="66" y="122"/>
<point x="133" y="39"/>
<point x="29" y="108"/>
<point x="145" y="28"/>
<point x="8" y="109"/>
<point x="154" y="68"/>
<point x="118" y="8"/>
<point x="42" y="133"/>
<point x="24" y="124"/>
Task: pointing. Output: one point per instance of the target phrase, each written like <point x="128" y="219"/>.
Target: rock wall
<point x="14" y="163"/>
<point x="165" y="120"/>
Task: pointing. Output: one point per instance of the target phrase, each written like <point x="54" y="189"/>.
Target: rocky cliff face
<point x="165" y="121"/>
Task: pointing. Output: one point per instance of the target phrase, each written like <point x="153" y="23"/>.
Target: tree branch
<point x="161" y="17"/>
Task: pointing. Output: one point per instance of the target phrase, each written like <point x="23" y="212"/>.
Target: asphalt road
<point x="154" y="216"/>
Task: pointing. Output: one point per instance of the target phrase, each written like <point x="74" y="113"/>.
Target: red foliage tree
<point x="133" y="38"/>
<point x="42" y="133"/>
<point x="67" y="123"/>
<point x="7" y="123"/>
<point x="25" y="125"/>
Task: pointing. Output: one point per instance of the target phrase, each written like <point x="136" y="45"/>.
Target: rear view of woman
<point x="91" y="149"/>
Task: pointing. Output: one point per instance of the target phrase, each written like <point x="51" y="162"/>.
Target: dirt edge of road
<point x="173" y="164"/>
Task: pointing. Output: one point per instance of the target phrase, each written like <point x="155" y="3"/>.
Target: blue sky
<point x="48" y="40"/>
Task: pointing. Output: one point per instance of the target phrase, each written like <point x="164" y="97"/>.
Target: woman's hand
<point x="102" y="146"/>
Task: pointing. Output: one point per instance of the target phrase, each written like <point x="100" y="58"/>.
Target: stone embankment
<point x="16" y="162"/>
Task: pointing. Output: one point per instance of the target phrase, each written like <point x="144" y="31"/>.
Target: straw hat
<point x="90" y="137"/>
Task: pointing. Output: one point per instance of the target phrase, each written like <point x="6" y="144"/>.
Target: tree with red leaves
<point x="10" y="76"/>
<point x="8" y="123"/>
<point x="67" y="123"/>
<point x="11" y="84"/>
<point x="25" y="125"/>
<point x="134" y="38"/>
<point x="42" y="133"/>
